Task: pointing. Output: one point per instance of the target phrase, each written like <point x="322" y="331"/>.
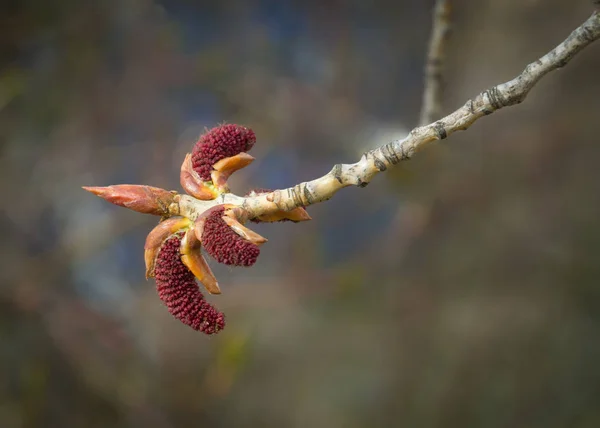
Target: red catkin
<point x="178" y="289"/>
<point x="220" y="142"/>
<point x="226" y="246"/>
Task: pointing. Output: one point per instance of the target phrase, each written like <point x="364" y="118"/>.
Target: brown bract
<point x="191" y="256"/>
<point x="223" y="169"/>
<point x="193" y="184"/>
<point x="157" y="236"/>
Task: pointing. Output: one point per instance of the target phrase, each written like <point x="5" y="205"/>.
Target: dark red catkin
<point x="220" y="142"/>
<point x="224" y="245"/>
<point x="178" y="289"/>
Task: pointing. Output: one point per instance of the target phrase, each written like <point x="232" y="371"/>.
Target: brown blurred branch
<point x="379" y="159"/>
<point x="433" y="86"/>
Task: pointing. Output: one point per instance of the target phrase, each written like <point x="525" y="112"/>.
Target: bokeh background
<point x="461" y="289"/>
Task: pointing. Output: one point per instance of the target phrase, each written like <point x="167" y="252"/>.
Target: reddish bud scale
<point x="226" y="246"/>
<point x="140" y="198"/>
<point x="177" y="288"/>
<point x="219" y="143"/>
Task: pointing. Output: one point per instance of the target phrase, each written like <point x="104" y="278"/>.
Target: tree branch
<point x="378" y="160"/>
<point x="433" y="86"/>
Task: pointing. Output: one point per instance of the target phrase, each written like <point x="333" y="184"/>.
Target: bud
<point x="178" y="290"/>
<point x="143" y="199"/>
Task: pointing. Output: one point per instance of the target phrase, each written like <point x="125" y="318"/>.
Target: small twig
<point x="433" y="85"/>
<point x="377" y="160"/>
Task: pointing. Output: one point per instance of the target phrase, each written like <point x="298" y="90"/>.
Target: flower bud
<point x="143" y="199"/>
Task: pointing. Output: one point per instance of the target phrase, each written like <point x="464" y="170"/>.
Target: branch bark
<point x="433" y="86"/>
<point x="378" y="160"/>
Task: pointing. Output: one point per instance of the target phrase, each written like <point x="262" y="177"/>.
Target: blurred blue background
<point x="459" y="289"/>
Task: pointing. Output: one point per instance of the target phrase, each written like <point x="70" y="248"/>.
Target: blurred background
<point x="461" y="289"/>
